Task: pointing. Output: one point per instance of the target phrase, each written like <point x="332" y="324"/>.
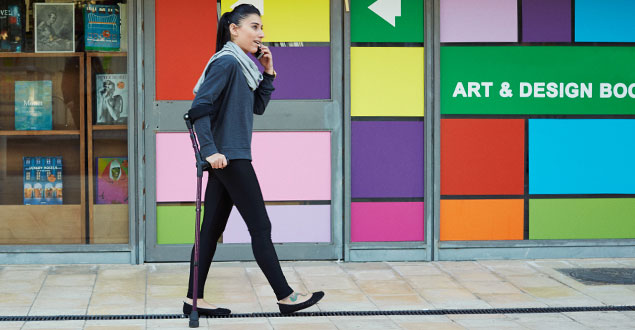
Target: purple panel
<point x="302" y="73"/>
<point x="546" y="20"/>
<point x="289" y="224"/>
<point x="387" y="159"/>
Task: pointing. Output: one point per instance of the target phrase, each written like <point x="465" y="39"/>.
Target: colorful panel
<point x="467" y="220"/>
<point x="290" y="224"/>
<point x="581" y="156"/>
<point x="546" y="21"/>
<point x="482" y="156"/>
<point x="297" y="80"/>
<point x="479" y="21"/>
<point x="387" y="159"/>
<point x="387" y="81"/>
<point x="387" y="21"/>
<point x="600" y="218"/>
<point x="285" y="170"/>
<point x="545" y="80"/>
<point x="387" y="222"/>
<point x="175" y="224"/>
<point x="604" y="21"/>
<point x="290" y="20"/>
<point x="181" y="57"/>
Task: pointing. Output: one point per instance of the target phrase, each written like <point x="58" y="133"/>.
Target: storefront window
<point x="64" y="105"/>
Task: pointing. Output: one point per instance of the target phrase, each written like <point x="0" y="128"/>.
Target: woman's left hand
<point x="267" y="59"/>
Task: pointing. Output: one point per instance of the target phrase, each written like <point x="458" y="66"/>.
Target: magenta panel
<point x="387" y="221"/>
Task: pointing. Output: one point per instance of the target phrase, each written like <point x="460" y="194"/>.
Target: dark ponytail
<point x="235" y="16"/>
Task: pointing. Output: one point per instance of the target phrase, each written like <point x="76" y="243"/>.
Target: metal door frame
<point x="282" y="115"/>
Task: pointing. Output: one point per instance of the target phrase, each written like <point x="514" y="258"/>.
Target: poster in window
<point x="112" y="180"/>
<point x="102" y="27"/>
<point x="54" y="27"/>
<point x="112" y="99"/>
<point x="12" y="26"/>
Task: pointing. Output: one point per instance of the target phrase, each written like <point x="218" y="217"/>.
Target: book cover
<point x="112" y="99"/>
<point x="43" y="184"/>
<point x="112" y="180"/>
<point x="54" y="27"/>
<point x="12" y="26"/>
<point x="34" y="105"/>
<point x="102" y="27"/>
<point x="123" y="30"/>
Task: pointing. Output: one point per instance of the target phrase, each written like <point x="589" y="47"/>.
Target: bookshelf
<point x="44" y="224"/>
<point x="108" y="223"/>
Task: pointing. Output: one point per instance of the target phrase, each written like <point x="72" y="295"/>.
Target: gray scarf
<point x="249" y="68"/>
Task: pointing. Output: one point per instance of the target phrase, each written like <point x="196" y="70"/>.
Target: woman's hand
<point x="267" y="59"/>
<point x="218" y="161"/>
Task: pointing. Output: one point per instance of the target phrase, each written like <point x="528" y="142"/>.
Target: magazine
<point x="112" y="180"/>
<point x="102" y="27"/>
<point x="12" y="26"/>
<point x="33" y="105"/>
<point x="54" y="27"/>
<point x="112" y="99"/>
<point x="43" y="180"/>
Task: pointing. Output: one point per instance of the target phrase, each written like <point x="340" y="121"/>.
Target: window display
<point x="64" y="110"/>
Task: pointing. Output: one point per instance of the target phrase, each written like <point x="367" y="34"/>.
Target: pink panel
<point x="479" y="21"/>
<point x="293" y="165"/>
<point x="386" y="222"/>
<point x="290" y="166"/>
<point x="289" y="223"/>
<point x="176" y="168"/>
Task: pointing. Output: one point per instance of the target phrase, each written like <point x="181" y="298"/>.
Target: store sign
<point x="538" y="80"/>
<point x="387" y="21"/>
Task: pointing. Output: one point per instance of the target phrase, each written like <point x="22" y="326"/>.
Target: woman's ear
<point x="233" y="29"/>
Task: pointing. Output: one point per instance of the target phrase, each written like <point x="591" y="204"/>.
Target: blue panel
<point x="582" y="156"/>
<point x="605" y="21"/>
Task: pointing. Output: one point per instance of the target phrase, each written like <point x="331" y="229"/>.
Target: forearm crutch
<point x="201" y="165"/>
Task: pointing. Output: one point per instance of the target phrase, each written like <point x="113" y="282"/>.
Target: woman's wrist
<point x="269" y="71"/>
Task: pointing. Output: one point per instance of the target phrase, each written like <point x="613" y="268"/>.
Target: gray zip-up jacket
<point x="224" y="109"/>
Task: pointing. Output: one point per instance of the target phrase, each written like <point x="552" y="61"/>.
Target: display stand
<point x="108" y="223"/>
<point x="44" y="224"/>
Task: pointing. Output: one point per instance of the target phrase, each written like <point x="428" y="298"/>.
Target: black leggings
<point x="237" y="184"/>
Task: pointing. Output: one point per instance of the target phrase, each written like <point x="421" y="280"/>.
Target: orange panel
<point x="185" y="39"/>
<point x="483" y="219"/>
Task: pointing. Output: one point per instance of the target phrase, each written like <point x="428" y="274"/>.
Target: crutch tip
<point x="194" y="319"/>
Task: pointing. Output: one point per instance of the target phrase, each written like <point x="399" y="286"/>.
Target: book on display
<point x="112" y="180"/>
<point x="42" y="180"/>
<point x="102" y="27"/>
<point x="12" y="26"/>
<point x="34" y="105"/>
<point x="112" y="99"/>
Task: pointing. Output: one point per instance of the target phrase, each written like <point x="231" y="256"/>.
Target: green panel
<point x="582" y="218"/>
<point x="537" y="64"/>
<point x="368" y="26"/>
<point x="175" y="224"/>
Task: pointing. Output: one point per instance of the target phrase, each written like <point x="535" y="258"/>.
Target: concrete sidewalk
<point x="160" y="288"/>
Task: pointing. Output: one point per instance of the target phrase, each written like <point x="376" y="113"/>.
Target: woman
<point x="229" y="92"/>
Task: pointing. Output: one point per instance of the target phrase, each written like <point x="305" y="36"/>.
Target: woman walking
<point x="229" y="92"/>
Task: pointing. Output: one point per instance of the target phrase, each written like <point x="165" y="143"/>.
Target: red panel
<point x="185" y="39"/>
<point x="482" y="156"/>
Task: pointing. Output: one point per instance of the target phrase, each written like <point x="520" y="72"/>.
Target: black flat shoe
<point x="291" y="308"/>
<point x="187" y="310"/>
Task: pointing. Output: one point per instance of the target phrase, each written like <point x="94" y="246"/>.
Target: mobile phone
<point x="258" y="54"/>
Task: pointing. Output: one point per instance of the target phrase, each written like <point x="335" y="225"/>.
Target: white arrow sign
<point x="387" y="9"/>
<point x="260" y="4"/>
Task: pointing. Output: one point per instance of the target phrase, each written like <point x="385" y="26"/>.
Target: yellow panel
<point x="387" y="81"/>
<point x="292" y="20"/>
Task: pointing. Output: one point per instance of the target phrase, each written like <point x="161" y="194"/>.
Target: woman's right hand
<point x="218" y="161"/>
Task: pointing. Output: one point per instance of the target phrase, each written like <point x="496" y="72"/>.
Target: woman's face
<point x="248" y="35"/>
